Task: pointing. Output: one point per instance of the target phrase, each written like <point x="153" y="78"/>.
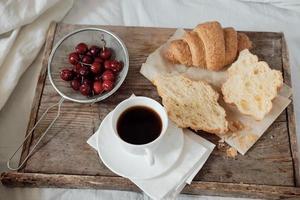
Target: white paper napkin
<point x="195" y="152"/>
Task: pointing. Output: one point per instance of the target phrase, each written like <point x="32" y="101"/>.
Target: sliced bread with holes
<point x="192" y="104"/>
<point x="251" y="85"/>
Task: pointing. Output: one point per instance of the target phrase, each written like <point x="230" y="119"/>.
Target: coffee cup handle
<point x="149" y="156"/>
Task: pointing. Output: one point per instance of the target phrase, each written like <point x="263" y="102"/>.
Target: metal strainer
<point x="59" y="59"/>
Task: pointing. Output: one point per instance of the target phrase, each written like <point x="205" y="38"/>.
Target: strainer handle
<point x="41" y="137"/>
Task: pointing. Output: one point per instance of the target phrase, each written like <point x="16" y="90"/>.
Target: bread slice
<point x="192" y="104"/>
<point x="196" y="48"/>
<point x="212" y="36"/>
<point x="231" y="45"/>
<point x="243" y="42"/>
<point x="178" y="52"/>
<point x="251" y="85"/>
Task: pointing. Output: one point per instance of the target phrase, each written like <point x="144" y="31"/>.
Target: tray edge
<point x="290" y="112"/>
<point x="119" y="183"/>
<point x="39" y="90"/>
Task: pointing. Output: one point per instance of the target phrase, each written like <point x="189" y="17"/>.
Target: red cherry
<point x="108" y="75"/>
<point x="85" y="89"/>
<point x="84" y="71"/>
<point x="97" y="87"/>
<point x="96" y="67"/>
<point x="86" y="82"/>
<point x="98" y="59"/>
<point x="73" y="58"/>
<point x="95" y="50"/>
<point x="105" y="53"/>
<point x="107" y="64"/>
<point x="66" y="74"/>
<point x="81" y="48"/>
<point x="76" y="68"/>
<point x="87" y="59"/>
<point x="89" y="54"/>
<point x="98" y="78"/>
<point x="115" y="66"/>
<point x="107" y="85"/>
<point x="75" y="84"/>
<point x="78" y="76"/>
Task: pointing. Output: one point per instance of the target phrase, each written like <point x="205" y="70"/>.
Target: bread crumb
<point x="221" y="144"/>
<point x="222" y="140"/>
<point x="231" y="152"/>
<point x="235" y="126"/>
<point x="244" y="141"/>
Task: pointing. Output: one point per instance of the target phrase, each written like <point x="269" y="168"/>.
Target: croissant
<point x="207" y="46"/>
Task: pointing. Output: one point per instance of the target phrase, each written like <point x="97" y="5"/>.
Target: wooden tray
<point x="269" y="170"/>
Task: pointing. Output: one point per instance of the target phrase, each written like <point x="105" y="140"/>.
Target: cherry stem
<point x="104" y="42"/>
<point x="85" y="63"/>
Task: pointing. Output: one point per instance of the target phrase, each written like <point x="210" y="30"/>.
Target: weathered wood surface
<point x="271" y="161"/>
<point x="291" y="125"/>
<point x="118" y="183"/>
<point x="39" y="89"/>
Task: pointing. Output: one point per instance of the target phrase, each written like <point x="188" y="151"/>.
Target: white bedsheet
<point x="243" y="15"/>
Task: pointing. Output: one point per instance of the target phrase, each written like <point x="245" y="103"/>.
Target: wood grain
<point x="119" y="183"/>
<point x="268" y="162"/>
<point x="78" y="122"/>
<point x="270" y="165"/>
<point x="39" y="90"/>
<point x="291" y="125"/>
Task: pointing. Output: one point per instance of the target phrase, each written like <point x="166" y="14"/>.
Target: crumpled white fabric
<point x="23" y="28"/>
<point x="287" y="4"/>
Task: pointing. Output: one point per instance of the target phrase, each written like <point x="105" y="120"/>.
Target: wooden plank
<point x="119" y="183"/>
<point x="268" y="162"/>
<point x="39" y="89"/>
<point x="290" y="113"/>
<point x="66" y="181"/>
<point x="87" y="120"/>
<point x="59" y="150"/>
<point x="242" y="190"/>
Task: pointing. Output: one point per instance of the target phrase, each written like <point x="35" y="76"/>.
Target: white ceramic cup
<point x="146" y="150"/>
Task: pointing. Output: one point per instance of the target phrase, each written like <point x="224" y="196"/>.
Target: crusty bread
<point x="231" y="45"/>
<point x="179" y="52"/>
<point x="196" y="47"/>
<point x="211" y="33"/>
<point x="243" y="42"/>
<point x="192" y="104"/>
<point x="251" y="85"/>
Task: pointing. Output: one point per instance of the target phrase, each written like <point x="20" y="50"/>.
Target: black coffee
<point x="139" y="125"/>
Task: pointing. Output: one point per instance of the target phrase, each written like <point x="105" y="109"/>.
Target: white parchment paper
<point x="241" y="139"/>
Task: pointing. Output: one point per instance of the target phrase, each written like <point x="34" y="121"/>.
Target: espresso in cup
<point x="139" y="125"/>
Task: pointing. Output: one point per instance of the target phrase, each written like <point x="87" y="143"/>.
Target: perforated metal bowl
<point x="58" y="60"/>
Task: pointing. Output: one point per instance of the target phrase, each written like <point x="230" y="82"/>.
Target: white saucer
<point x="133" y="166"/>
